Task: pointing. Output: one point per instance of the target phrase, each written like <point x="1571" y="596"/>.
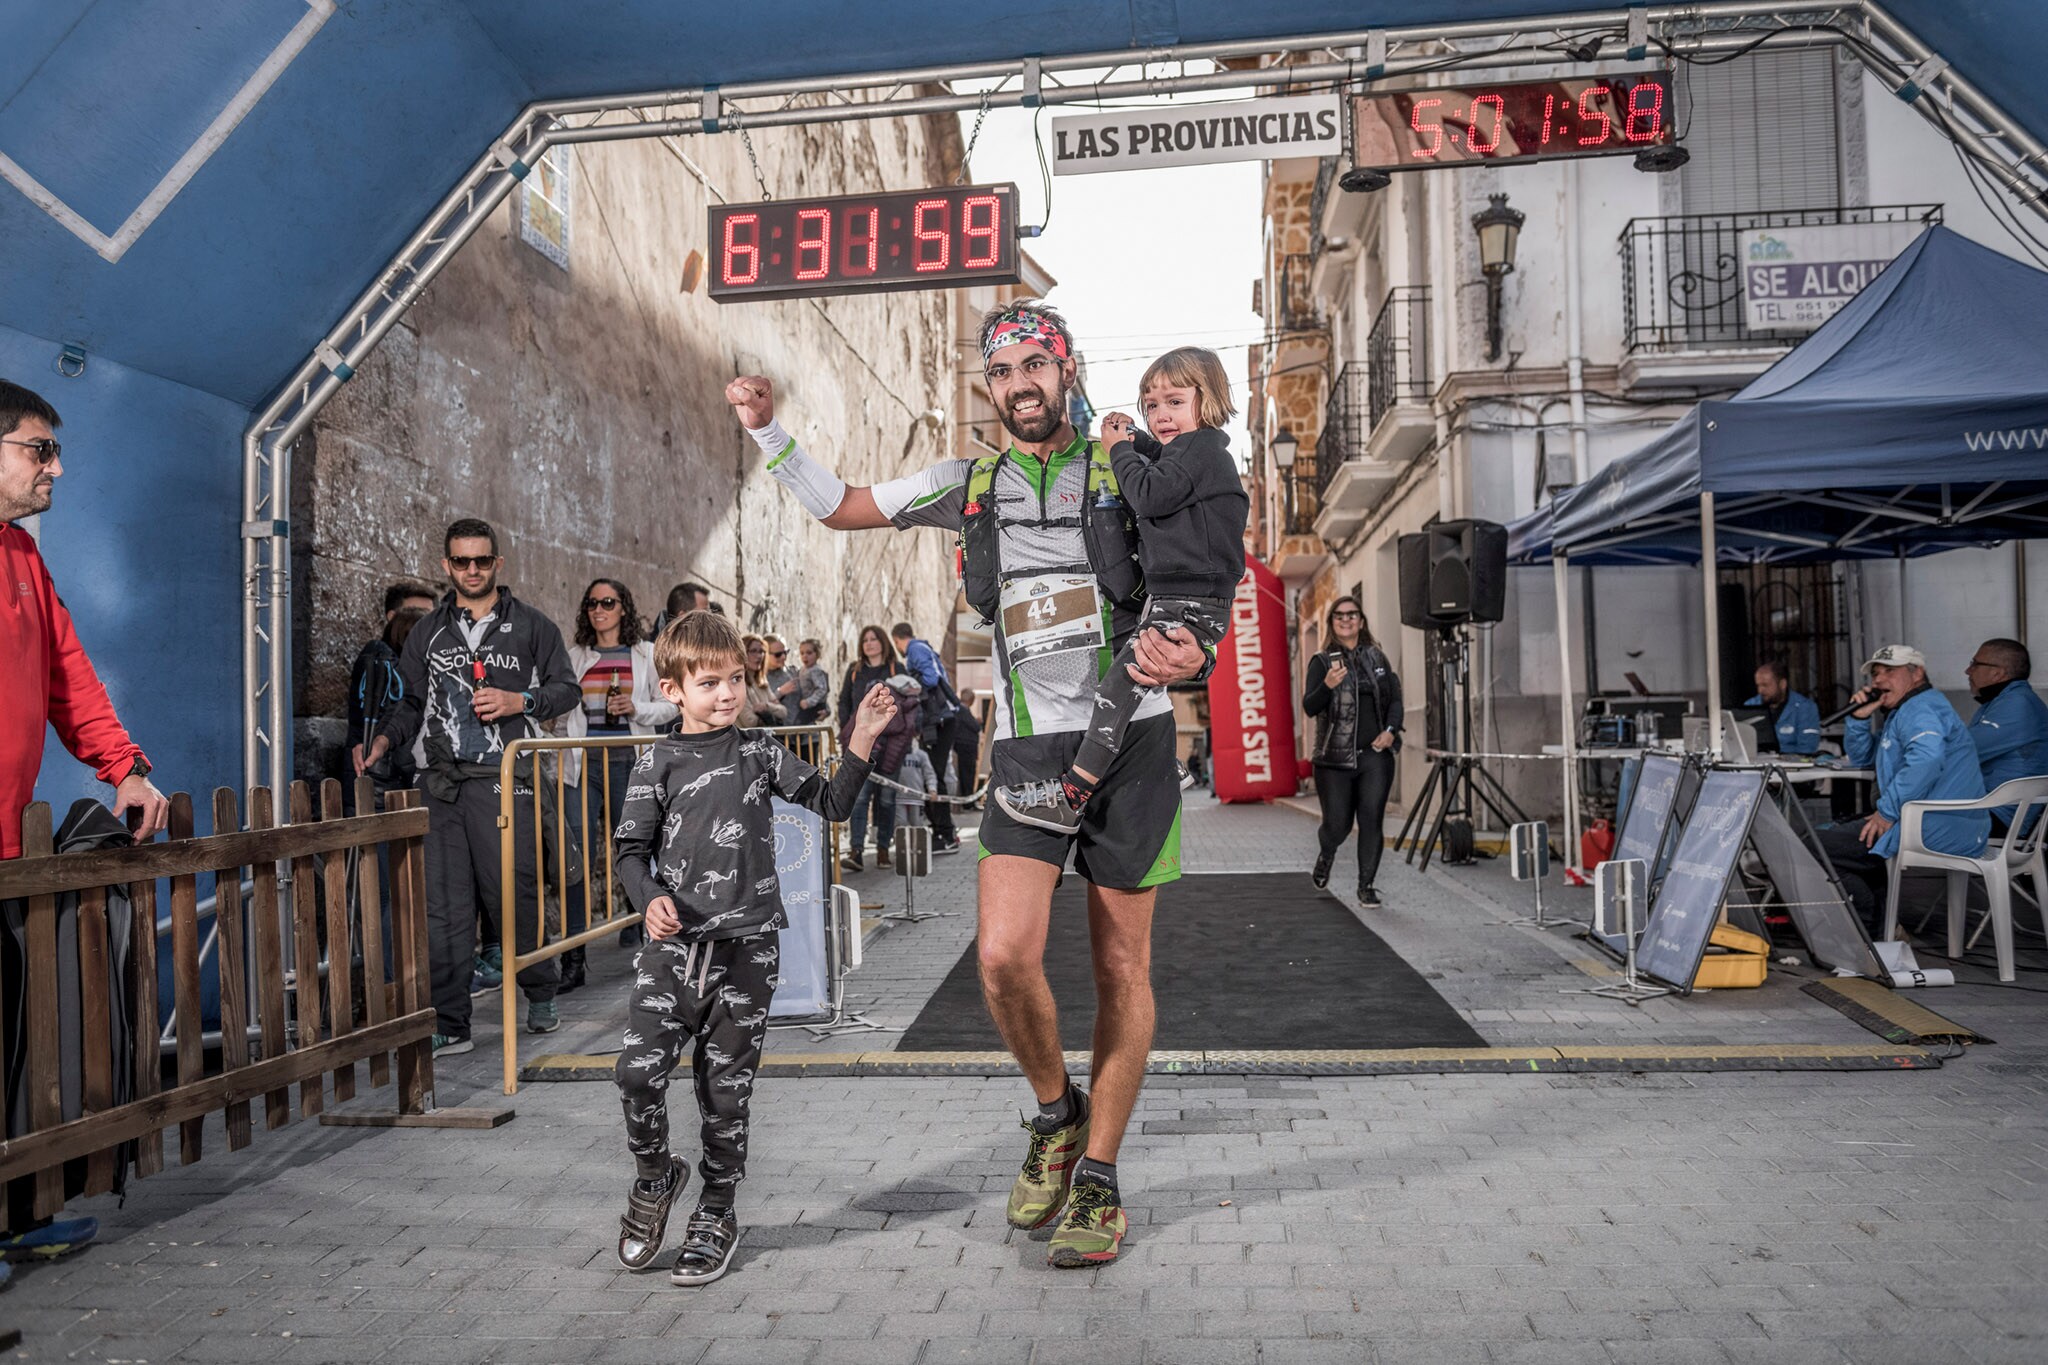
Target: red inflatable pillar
<point x="1251" y="694"/>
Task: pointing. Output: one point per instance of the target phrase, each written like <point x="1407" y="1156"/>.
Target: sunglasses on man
<point x="47" y="452"/>
<point x="471" y="561"/>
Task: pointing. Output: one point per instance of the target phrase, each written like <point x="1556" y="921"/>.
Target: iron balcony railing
<point x="1300" y="493"/>
<point x="1296" y="307"/>
<point x="1345" y="423"/>
<point x="1681" y="276"/>
<point x="1397" y="352"/>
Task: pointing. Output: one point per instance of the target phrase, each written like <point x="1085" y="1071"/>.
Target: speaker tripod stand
<point x="1457" y="785"/>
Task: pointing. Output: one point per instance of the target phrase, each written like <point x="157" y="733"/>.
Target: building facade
<point x="564" y="380"/>
<point x="1622" y="308"/>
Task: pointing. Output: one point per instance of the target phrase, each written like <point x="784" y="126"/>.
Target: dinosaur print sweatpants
<point x="716" y="992"/>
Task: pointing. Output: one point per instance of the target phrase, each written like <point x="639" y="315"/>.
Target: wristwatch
<point x="141" y="768"/>
<point x="1208" y="667"/>
<point x="526" y="702"/>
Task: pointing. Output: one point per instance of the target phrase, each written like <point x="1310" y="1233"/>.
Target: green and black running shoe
<point x="1041" y="1188"/>
<point x="1093" y="1229"/>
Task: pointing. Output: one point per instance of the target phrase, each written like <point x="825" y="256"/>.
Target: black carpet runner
<point x="1239" y="962"/>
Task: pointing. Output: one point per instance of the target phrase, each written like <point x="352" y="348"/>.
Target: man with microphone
<point x="1915" y="740"/>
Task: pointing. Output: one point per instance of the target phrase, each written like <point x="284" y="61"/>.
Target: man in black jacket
<point x="481" y="670"/>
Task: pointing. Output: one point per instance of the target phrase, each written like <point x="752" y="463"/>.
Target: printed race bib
<point x="1050" y="614"/>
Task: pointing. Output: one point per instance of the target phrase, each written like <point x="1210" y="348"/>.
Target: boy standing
<point x="698" y="809"/>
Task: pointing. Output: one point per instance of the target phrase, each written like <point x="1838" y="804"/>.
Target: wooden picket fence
<point x="335" y="1022"/>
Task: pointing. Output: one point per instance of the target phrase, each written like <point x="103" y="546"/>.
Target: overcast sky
<point x="1146" y="260"/>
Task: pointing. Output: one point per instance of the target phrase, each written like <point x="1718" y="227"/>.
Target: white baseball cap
<point x="1896" y="656"/>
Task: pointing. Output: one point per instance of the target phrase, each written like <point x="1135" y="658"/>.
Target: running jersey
<point x="1048" y="693"/>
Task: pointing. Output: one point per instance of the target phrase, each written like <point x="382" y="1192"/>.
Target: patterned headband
<point x="1030" y="328"/>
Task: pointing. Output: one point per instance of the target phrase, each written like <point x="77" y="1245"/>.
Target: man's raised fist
<point x="753" y="400"/>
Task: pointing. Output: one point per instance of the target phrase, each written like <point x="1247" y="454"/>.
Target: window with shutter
<point x="1764" y="134"/>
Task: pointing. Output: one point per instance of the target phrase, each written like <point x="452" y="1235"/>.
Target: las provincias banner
<point x="1251" y="695"/>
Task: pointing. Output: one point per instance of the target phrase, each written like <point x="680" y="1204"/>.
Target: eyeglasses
<point x="47" y="451"/>
<point x="600" y="604"/>
<point x="1034" y="369"/>
<point x="777" y="653"/>
<point x="1978" y="663"/>
<point x="1347" y="616"/>
<point x="471" y="561"/>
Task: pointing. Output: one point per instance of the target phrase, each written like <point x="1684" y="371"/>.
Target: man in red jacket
<point x="56" y="683"/>
<point x="52" y="683"/>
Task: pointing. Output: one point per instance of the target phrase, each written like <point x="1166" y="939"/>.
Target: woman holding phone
<point x="1355" y="696"/>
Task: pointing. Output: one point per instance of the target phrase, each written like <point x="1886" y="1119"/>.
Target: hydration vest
<point x="1108" y="530"/>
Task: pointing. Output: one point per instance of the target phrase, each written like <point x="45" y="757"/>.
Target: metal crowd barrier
<point x="815" y="744"/>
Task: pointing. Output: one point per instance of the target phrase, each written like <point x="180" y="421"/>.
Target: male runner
<point x="1049" y="555"/>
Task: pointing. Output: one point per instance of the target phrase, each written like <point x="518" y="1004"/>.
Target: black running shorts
<point x="1130" y="828"/>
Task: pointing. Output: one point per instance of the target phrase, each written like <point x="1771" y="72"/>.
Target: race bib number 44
<point x="1050" y="614"/>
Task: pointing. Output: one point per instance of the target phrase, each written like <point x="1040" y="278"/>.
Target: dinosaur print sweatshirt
<point x="697" y="826"/>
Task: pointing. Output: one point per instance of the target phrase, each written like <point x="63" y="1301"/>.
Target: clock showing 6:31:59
<point x="1398" y="130"/>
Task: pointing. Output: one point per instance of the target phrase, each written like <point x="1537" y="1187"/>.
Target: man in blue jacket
<point x="2010" y="728"/>
<point x="1913" y="737"/>
<point x="1795" y="720"/>
<point x="941" y="707"/>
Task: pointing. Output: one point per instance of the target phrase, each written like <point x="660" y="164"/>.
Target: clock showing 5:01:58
<point x="1399" y="130"/>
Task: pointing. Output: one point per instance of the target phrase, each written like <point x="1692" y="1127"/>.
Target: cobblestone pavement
<point x="1810" y="1217"/>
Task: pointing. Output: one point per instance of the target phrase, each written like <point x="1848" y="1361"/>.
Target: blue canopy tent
<point x="1899" y="428"/>
<point x="196" y="202"/>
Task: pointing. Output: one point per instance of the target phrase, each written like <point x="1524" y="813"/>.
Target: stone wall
<point x="580" y="411"/>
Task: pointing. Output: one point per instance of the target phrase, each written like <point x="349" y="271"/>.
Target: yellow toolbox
<point x="1734" y="958"/>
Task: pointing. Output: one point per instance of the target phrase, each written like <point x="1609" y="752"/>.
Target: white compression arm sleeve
<point x="816" y="487"/>
<point x="894" y="496"/>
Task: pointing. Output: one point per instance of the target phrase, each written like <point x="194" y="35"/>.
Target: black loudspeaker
<point x="1454" y="572"/>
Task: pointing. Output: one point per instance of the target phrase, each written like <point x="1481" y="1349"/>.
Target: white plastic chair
<point x="2018" y="853"/>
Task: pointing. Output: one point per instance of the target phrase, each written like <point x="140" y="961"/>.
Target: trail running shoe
<point x="1043" y="804"/>
<point x="58" y="1237"/>
<point x="1041" y="1188"/>
<point x="1093" y="1229"/>
<point x="542" y="1017"/>
<point x="447" y="1045"/>
<point x="646" y="1216"/>
<point x="708" y="1245"/>
<point x="1321" y="875"/>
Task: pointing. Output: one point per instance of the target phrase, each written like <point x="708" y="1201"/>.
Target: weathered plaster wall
<point x="580" y="412"/>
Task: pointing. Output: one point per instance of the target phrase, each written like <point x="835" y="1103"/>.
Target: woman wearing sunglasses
<point x="621" y="696"/>
<point x="1355" y="696"/>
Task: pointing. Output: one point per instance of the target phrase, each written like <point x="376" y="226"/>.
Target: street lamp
<point x="1498" y="227"/>
<point x="1285" y="447"/>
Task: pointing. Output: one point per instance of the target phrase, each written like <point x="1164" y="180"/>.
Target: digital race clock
<point x="1402" y="130"/>
<point x="864" y="243"/>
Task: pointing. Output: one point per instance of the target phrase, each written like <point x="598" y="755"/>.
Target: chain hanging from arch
<point x="752" y="160"/>
<point x="973" y="137"/>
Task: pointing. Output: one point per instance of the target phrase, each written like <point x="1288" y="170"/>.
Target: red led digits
<point x="989" y="207"/>
<point x="928" y="236"/>
<point x="1500" y="119"/>
<point x="736" y="250"/>
<point x="813" y="239"/>
<point x="1549" y="108"/>
<point x="859" y="248"/>
<point x="1644" y="125"/>
<point x="1433" y="128"/>
<point x="1589" y="109"/>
